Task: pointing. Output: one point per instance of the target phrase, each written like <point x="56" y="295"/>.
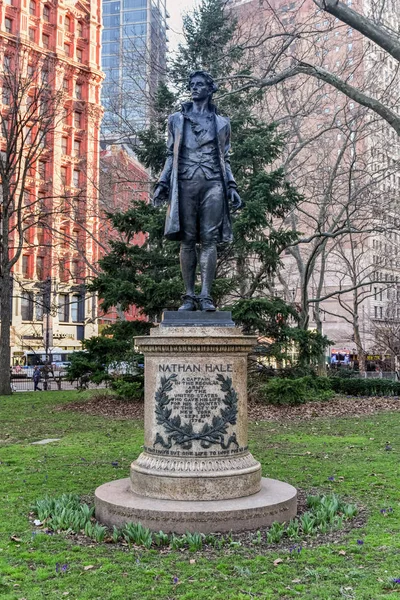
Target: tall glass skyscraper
<point x="134" y="44"/>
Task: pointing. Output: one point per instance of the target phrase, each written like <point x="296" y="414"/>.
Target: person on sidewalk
<point x="36" y="379"/>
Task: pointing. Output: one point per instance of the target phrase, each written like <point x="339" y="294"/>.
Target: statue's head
<point x="201" y="85"/>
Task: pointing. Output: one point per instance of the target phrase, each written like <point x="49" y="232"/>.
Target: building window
<point x="79" y="55"/>
<point x="78" y="120"/>
<point x="78" y="91"/>
<point x="27" y="306"/>
<point x="8" y="25"/>
<point x="63" y="308"/>
<point x="39" y="305"/>
<point x="76" y="178"/>
<point x="77" y="148"/>
<point x="25" y="266"/>
<point x="42" y="169"/>
<point x="40" y="267"/>
<point x="79" y="29"/>
<point x="67" y="23"/>
<point x="64" y="145"/>
<point x="7" y="64"/>
<point x="32" y="8"/>
<point x="32" y="34"/>
<point x="77" y="307"/>
<point x="40" y="237"/>
<point x="46" y="13"/>
<point x="66" y="85"/>
<point x="6" y="95"/>
<point x="63" y="173"/>
<point x="46" y="40"/>
<point x="42" y="201"/>
<point x="67" y="49"/>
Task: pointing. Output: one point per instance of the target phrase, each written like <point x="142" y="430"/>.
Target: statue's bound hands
<point x="235" y="200"/>
<point x="161" y="195"/>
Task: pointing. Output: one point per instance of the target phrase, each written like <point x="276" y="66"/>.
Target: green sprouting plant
<point x="293" y="529"/>
<point x="194" y="541"/>
<point x="88" y="529"/>
<point x="99" y="532"/>
<point x="337" y="522"/>
<point x="307" y="523"/>
<point x="116" y="534"/>
<point x="139" y="535"/>
<point x="210" y="539"/>
<point x="349" y="511"/>
<point x="275" y="533"/>
<point x="257" y="539"/>
<point x="313" y="501"/>
<point x="324" y="527"/>
<point x="177" y="542"/>
<point x="161" y="539"/>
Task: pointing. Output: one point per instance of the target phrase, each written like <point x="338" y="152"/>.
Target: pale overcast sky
<point x="176" y="8"/>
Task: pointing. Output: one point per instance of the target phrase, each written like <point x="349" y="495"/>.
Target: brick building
<point x="55" y="46"/>
<point x="122" y="179"/>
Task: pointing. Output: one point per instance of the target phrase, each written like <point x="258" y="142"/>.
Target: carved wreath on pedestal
<point x="183" y="433"/>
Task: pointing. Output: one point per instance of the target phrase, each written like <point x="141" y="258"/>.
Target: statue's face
<point x="199" y="88"/>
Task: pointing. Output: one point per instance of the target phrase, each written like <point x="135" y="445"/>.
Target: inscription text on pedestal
<point x="195" y="403"/>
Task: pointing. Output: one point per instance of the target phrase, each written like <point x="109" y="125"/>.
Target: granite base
<point x="116" y="505"/>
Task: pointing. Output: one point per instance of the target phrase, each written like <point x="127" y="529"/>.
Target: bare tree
<point x="32" y="108"/>
<point x="290" y="48"/>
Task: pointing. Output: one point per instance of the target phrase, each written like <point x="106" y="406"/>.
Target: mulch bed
<point x="107" y="405"/>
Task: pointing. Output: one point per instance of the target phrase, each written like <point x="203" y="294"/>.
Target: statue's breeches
<point x="201" y="208"/>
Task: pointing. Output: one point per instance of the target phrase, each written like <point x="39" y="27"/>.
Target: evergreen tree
<point x="148" y="276"/>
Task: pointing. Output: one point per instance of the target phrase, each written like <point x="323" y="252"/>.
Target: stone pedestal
<point x="195" y="460"/>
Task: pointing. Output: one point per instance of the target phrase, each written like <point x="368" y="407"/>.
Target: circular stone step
<point x="116" y="505"/>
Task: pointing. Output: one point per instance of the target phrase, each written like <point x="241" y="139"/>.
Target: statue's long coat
<point x="169" y="176"/>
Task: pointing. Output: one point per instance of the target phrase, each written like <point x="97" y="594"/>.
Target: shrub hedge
<point x="365" y="387"/>
<point x="296" y="391"/>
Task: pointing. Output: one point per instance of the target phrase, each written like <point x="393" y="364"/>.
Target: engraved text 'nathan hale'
<point x="187" y="368"/>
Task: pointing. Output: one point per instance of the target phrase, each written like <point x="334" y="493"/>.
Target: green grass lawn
<point x="94" y="450"/>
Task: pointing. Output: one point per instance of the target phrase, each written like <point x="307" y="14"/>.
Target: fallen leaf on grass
<point x="88" y="567"/>
<point x="192" y="561"/>
<point x="277" y="562"/>
<point x="342" y="552"/>
<point x="296" y="580"/>
<point x="14" y="538"/>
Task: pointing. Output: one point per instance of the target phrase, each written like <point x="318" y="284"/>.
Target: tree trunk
<point x="358" y="343"/>
<point x="5" y="348"/>
<point x="321" y="365"/>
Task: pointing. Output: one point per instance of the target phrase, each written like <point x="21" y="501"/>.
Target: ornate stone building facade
<point x="55" y="45"/>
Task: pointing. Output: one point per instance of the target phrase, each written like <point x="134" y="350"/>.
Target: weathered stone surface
<point x="117" y="505"/>
<point x="196" y="472"/>
<point x="46" y="441"/>
<point x="195" y="416"/>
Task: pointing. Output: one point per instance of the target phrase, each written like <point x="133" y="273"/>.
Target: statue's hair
<point x="210" y="81"/>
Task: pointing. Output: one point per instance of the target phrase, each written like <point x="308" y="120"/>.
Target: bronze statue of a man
<point x="198" y="183"/>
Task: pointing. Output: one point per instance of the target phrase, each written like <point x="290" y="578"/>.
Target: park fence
<point x="21" y="384"/>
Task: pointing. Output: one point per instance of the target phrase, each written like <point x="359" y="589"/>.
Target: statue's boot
<point x="208" y="265"/>
<point x="188" y="267"/>
<point x="189" y="303"/>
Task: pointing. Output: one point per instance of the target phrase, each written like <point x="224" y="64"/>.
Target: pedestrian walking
<point x="36" y="379"/>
